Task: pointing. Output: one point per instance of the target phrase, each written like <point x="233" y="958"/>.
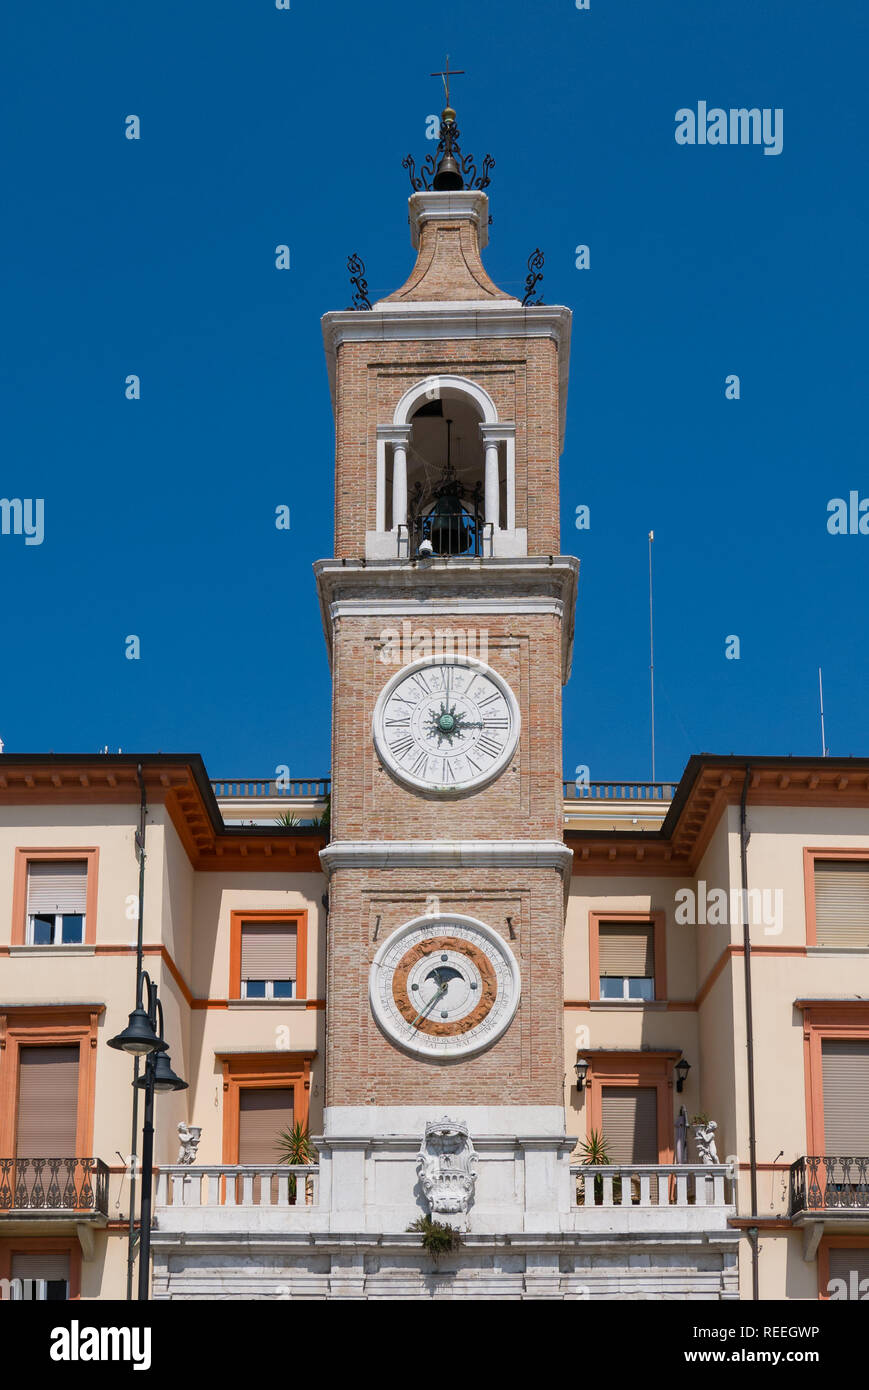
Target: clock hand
<point x="434" y="999"/>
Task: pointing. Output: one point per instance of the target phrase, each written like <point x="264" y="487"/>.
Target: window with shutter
<point x="626" y="960"/>
<point x="842" y="902"/>
<point x="40" y="1276"/>
<point x="262" y="1115"/>
<point x="848" y="1272"/>
<point x="845" y="1072"/>
<point x="47" y="1102"/>
<point x="268" y="960"/>
<point x="56" y="902"/>
<point x="629" y="1120"/>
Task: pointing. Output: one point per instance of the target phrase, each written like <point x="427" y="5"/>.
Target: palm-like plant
<point x="294" y="1147"/>
<point x="595" y="1149"/>
<point x="595" y="1152"/>
<point x="287" y="819"/>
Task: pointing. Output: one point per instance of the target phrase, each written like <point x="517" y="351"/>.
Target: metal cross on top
<point x="446" y="75"/>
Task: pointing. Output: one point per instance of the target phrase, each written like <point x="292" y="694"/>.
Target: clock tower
<point x="449" y="616"/>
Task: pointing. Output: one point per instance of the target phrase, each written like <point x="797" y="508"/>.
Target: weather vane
<point x="447" y="73"/>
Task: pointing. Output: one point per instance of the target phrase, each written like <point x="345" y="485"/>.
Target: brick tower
<point x="449" y="619"/>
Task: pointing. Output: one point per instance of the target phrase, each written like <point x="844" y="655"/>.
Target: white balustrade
<point x="652" y="1185"/>
<point x="238" y="1185"/>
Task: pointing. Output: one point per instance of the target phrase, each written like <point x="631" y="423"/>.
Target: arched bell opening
<point x="446" y="478"/>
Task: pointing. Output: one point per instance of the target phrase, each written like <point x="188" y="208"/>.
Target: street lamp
<point x="143" y="1037"/>
<point x="580" y="1066"/>
<point x="681" y="1069"/>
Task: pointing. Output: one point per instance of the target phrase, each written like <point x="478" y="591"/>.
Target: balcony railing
<point x="619" y="791"/>
<point x="825" y="1183"/>
<point x="652" y="1185"/>
<point x="304" y="787"/>
<point x="57" y="1185"/>
<point x="238" y="1185"/>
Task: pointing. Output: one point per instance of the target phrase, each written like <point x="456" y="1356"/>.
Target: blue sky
<point x="261" y="127"/>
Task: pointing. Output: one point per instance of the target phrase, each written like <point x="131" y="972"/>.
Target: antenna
<point x="825" y="752"/>
<point x="651" y="653"/>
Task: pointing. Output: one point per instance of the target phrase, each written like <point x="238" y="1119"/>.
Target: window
<point x="47" y="1102"/>
<point x="845" y="1080"/>
<point x="268" y="960"/>
<point x="56" y="902"/>
<point x="629" y="1118"/>
<point x="262" y="1116"/>
<point x="841" y="903"/>
<point x="40" y="1277"/>
<point x="626" y="961"/>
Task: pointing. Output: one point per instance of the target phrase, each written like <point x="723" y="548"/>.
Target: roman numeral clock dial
<point x="446" y="726"/>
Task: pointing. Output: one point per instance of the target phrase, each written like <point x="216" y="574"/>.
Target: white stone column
<point x="493" y="436"/>
<point x="492" y="492"/>
<point x="399" y="437"/>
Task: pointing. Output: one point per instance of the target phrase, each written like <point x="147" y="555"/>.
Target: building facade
<point x="614" y="1038"/>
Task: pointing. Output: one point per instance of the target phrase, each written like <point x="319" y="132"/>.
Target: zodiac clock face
<point x="446" y="725"/>
<point x="444" y="987"/>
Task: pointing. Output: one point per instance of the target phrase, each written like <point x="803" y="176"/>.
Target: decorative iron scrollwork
<point x="356" y="267"/>
<point x="534" y="276"/>
<point x="448" y="147"/>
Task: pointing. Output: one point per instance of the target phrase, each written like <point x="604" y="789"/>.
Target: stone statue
<point x="189" y="1138"/>
<point x="447" y="1167"/>
<point x="704" y="1138"/>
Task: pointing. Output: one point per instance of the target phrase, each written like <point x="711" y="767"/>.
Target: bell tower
<point x="449" y="618"/>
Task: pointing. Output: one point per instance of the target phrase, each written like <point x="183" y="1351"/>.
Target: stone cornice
<point x="415" y="588"/>
<point x="425" y="854"/>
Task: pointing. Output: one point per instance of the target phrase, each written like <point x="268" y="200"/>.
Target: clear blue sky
<point x="261" y="127"/>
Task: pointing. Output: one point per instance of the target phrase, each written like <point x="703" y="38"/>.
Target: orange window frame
<point x="809" y="857"/>
<point x="50" y="1246"/>
<point x="843" y="1021"/>
<point x="237" y="920"/>
<point x="23" y="857"/>
<point x="260" y="1072"/>
<point x="828" y="1243"/>
<point x="633" y="1069"/>
<point x="46" y="1027"/>
<point x="657" y="920"/>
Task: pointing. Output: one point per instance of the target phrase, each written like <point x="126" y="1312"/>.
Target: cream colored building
<point x="646" y="870"/>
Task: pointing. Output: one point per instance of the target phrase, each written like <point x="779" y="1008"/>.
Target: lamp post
<point x="142" y="1037"/>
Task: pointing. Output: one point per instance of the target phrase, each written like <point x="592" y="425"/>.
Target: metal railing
<point x="822" y="1183"/>
<point x="54" y="1184"/>
<point x="238" y="1185"/>
<point x="652" y="1185"/>
<point x="619" y="791"/>
<point x="317" y="788"/>
<point x="451" y="534"/>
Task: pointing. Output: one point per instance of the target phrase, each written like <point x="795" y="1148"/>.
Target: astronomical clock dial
<point x="444" y="987"/>
<point x="446" y="725"/>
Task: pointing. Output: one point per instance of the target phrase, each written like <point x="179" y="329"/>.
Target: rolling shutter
<point x="57" y="886"/>
<point x="842" y="902"/>
<point x="262" y="1114"/>
<point x="846" y="1097"/>
<point x="627" y="950"/>
<point x="268" y="951"/>
<point x="47" y="1102"/>
<point x="629" y="1120"/>
<point x="844" y="1260"/>
<point x="33" y="1264"/>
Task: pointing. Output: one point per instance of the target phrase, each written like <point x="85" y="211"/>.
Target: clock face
<point x="444" y="987"/>
<point x="446" y="725"/>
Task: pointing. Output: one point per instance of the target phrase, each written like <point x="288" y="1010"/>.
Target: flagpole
<point x="821" y="694"/>
<point x="651" y="653"/>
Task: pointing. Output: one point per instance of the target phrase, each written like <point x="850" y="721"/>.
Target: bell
<point x="448" y="527"/>
<point x="449" y="177"/>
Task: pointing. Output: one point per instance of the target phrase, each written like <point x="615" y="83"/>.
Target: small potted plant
<point x="294" y="1147"/>
<point x="595" y="1153"/>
